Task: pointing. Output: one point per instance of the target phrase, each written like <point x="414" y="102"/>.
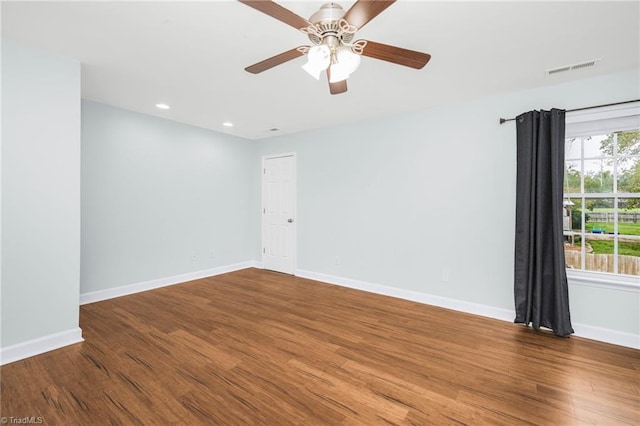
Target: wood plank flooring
<point x="259" y="348"/>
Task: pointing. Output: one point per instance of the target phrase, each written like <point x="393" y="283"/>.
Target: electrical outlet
<point x="338" y="261"/>
<point x="194" y="258"/>
<point x="445" y="275"/>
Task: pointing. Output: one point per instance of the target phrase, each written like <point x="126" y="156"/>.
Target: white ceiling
<point x="192" y="56"/>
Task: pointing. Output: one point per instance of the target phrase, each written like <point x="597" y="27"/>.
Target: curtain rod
<point x="504" y="120"/>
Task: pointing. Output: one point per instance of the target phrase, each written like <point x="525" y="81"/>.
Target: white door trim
<point x="294" y="229"/>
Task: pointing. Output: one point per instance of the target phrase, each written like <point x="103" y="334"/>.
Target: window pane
<point x="572" y="177"/>
<point x="628" y="145"/>
<point x="572" y="226"/>
<point x="629" y="175"/>
<point x="598" y="176"/>
<point x="573" y="252"/>
<point x="599" y="146"/>
<point x="599" y="238"/>
<point x="599" y="252"/>
<point x="571" y="216"/>
<point x="572" y="149"/>
<point x="629" y="216"/>
<point x="599" y="216"/>
<point x="629" y="238"/>
<point x="599" y="210"/>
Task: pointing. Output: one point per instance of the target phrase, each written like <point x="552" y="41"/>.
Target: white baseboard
<point x="97" y="296"/>
<point x="607" y="335"/>
<point x="414" y="296"/>
<point x="582" y="330"/>
<point x="40" y="345"/>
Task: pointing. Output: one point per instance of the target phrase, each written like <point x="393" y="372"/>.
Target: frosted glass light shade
<point x="346" y="63"/>
<point x="318" y="59"/>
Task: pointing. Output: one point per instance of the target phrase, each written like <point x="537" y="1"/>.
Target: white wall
<point x="161" y="199"/>
<point x="403" y="201"/>
<point x="40" y="196"/>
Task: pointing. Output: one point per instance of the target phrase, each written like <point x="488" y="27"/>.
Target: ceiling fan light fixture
<point x="312" y="70"/>
<point x="331" y="31"/>
<point x="346" y="62"/>
<point x="318" y="59"/>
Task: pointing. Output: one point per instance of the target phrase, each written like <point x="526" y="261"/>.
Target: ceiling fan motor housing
<point x="326" y="20"/>
<point x="328" y="12"/>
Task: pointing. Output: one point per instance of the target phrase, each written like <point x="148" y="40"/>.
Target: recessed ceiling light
<point x="227" y="124"/>
<point x="162" y="106"/>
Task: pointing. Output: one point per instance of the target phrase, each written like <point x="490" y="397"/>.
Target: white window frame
<point x="593" y="122"/>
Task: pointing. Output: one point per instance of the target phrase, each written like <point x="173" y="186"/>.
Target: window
<point x="601" y="208"/>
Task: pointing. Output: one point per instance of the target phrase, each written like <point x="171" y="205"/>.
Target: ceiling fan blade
<point x="364" y="11"/>
<point x="274" y="61"/>
<point x="338" y="87"/>
<point x="278" y="12"/>
<point x="397" y="55"/>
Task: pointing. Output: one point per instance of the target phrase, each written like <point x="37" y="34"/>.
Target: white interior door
<point x="278" y="213"/>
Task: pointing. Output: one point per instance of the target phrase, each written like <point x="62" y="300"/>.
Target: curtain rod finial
<point x="503" y="120"/>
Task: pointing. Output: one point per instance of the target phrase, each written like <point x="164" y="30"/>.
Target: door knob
<point x="290" y="220"/>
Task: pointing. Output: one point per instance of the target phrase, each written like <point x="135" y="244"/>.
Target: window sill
<point x="603" y="280"/>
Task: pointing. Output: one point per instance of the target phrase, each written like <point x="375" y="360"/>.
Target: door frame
<point x="294" y="190"/>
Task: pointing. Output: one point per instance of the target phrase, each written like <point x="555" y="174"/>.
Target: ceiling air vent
<point x="584" y="65"/>
<point x="573" y="67"/>
<point x="557" y="70"/>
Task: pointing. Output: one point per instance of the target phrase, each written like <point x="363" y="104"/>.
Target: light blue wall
<point x="401" y="200"/>
<point x="40" y="194"/>
<point x="160" y="198"/>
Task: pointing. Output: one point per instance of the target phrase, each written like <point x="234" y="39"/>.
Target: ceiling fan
<point x="332" y="30"/>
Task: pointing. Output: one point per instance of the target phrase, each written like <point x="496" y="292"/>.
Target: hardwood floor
<point x="257" y="347"/>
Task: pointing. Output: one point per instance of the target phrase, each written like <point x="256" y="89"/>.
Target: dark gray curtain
<point x="540" y="288"/>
